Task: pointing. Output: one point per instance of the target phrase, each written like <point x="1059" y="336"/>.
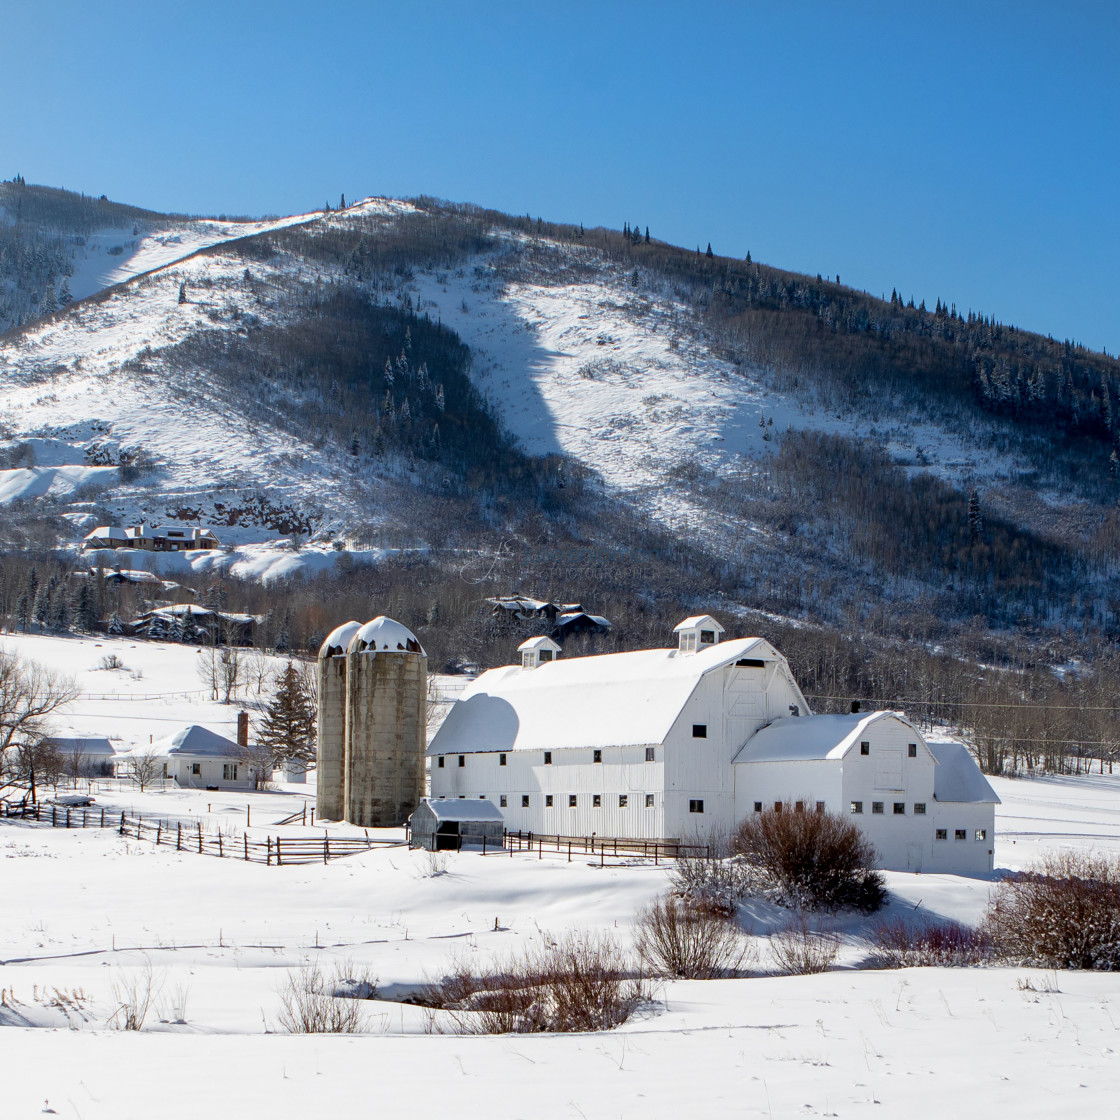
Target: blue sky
<point x="964" y="151"/>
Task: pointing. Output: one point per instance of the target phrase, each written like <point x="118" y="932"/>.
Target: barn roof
<point x="807" y="738"/>
<point x="79" y="744"/>
<point x="957" y="777"/>
<point x="198" y="741"/>
<point x="463" y="809"/>
<point x="613" y="699"/>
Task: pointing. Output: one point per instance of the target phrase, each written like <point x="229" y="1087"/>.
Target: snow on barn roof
<point x="613" y="699"/>
<point x="808" y="738"/>
<point x="696" y="621"/>
<point x="957" y="777"/>
<point x="339" y="639"/>
<point x="463" y="809"/>
<point x="198" y="741"/>
<point x="383" y="633"/>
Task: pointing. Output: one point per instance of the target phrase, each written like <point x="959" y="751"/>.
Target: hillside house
<point x="151" y="538"/>
<point x="686" y="742"/>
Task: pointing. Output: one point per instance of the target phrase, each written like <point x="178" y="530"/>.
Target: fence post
<point x="67" y="818"/>
<point x="279" y="861"/>
<point x="655" y="853"/>
<point x="313" y="814"/>
<point x="602" y="854"/>
<point x="220" y="852"/>
<point x="569" y="851"/>
<point x="484" y="843"/>
<point x="159" y="832"/>
<point x="102" y="816"/>
<point x="200" y="837"/>
<point x="304" y="820"/>
<point x="245" y="837"/>
<point x="122" y="824"/>
<point x="248" y="815"/>
<point x="268" y="851"/>
<point x="540" y="849"/>
<point x="83" y="818"/>
<point x="326" y="847"/>
<point x="179" y="836"/>
<point x="54" y="823"/>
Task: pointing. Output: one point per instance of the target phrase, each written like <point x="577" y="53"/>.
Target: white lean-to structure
<point x="684" y="742"/>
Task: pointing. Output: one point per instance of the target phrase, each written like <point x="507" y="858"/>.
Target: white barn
<point x="684" y="742"/>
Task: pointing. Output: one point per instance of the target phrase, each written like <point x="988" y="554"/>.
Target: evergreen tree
<point x="647" y="235"/>
<point x="85" y="615"/>
<point x="116" y="626"/>
<point x="65" y="298"/>
<point x="975" y="517"/>
<point x="288" y="730"/>
<point x="709" y="253"/>
<point x="183" y="291"/>
<point x="41" y="611"/>
<point x="23" y="607"/>
<point x="441" y="404"/>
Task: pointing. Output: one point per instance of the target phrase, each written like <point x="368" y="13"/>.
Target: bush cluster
<point x="810" y="860"/>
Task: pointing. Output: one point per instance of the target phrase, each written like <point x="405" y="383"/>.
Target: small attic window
<point x="546" y="655"/>
<point x="707" y="637"/>
<point x="688" y="641"/>
<point x="750" y="663"/>
<point x="528" y="659"/>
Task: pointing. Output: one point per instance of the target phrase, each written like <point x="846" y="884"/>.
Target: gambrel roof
<point x="811" y="738"/>
<point x="610" y="700"/>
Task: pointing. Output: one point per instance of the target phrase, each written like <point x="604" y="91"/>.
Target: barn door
<point x="914" y="857"/>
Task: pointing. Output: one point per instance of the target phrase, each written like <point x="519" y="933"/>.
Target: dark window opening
<point x="865" y="748"/>
<point x="649" y="754"/>
<point x="596" y="801"/>
<point x="941" y="834"/>
<point x="696" y="806"/>
<point x="596" y="756"/>
<point x="876" y="806"/>
<point x="962" y="833"/>
<point x="899" y="808"/>
<point x="462" y="760"/>
<point x="649" y="800"/>
<point x="439" y="762"/>
<point x="912" y="750"/>
<point x="699" y="730"/>
<point x="758" y="806"/>
<point x="707" y="637"/>
<point x="750" y="663"/>
<point x="502" y="801"/>
<point x="501" y="760"/>
<point x="571" y="800"/>
<point x="546" y="655"/>
<point x="524" y="801"/>
<point x="548" y="758"/>
<point x="799" y="807"/>
<point x="777" y="806"/>
<point x="919" y="808"/>
<point x="548" y="800"/>
<point x="622" y="800"/>
<point x="857" y="806"/>
<point x="820" y="806"/>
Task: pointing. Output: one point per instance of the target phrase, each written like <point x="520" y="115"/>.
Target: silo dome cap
<point x="338" y="640"/>
<point x="383" y="634"/>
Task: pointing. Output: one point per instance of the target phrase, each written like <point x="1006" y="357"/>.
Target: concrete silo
<point x="330" y="751"/>
<point x="386" y="725"/>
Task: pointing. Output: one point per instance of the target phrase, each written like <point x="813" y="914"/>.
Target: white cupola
<point x="537" y="651"/>
<point x="697" y="633"/>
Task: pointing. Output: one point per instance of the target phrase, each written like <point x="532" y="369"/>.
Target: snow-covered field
<point x="84" y="910"/>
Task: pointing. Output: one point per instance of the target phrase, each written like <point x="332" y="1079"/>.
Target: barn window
<point x="919" y="808"/>
<point x="857" y="806"/>
<point x="777" y="806"/>
<point x="596" y="801"/>
<point x="229" y="772"/>
<point x="524" y="801"/>
<point x="900" y="808"/>
<point x="865" y="748"/>
<point x="911" y="750"/>
<point x="820" y="806"/>
<point x="799" y="807"/>
<point x="596" y="756"/>
<point x="439" y="762"/>
<point x="501" y="760"/>
<point x="649" y="754"/>
<point x="981" y="834"/>
<point x="623" y="800"/>
<point x="571" y="800"/>
<point x="546" y="655"/>
<point x="941" y="834"/>
<point x="462" y="760"/>
<point x="502" y="801"/>
<point x="196" y="769"/>
<point x="961" y="834"/>
<point x="750" y="663"/>
<point x="758" y="806"/>
<point x="696" y="806"/>
<point x="548" y="758"/>
<point x="548" y="800"/>
<point x="876" y="806"/>
<point x="707" y="637"/>
<point x="649" y="800"/>
<point x="699" y="730"/>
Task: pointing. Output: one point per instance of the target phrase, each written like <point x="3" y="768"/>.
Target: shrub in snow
<point x="897" y="944"/>
<point x="800" y="950"/>
<point x="714" y="882"/>
<point x="810" y="860"/>
<point x="133" y="994"/>
<point x="581" y="983"/>
<point x="1063" y="913"/>
<point x="674" y="939"/>
<point x="313" y="1002"/>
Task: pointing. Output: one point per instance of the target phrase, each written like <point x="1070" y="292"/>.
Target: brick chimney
<point x="242" y="729"/>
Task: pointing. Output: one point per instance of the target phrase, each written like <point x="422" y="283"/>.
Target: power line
<point x="971" y="704"/>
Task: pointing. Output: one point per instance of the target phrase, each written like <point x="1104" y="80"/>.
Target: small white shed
<point x="453" y="823"/>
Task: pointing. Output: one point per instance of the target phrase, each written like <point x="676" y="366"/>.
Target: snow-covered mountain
<point x="183" y="393"/>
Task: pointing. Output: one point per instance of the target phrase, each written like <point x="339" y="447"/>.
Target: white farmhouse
<point x="677" y="743"/>
<point x="198" y="758"/>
